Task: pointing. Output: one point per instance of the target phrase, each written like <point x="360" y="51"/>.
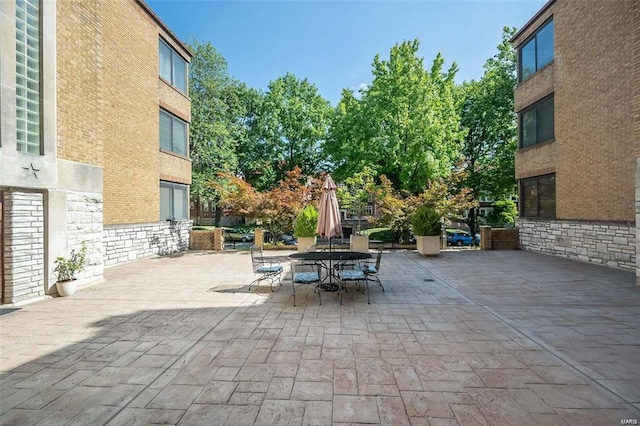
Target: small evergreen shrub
<point x="306" y="222"/>
<point x="426" y="222"/>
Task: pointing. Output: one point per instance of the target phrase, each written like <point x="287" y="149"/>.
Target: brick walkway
<point x="468" y="338"/>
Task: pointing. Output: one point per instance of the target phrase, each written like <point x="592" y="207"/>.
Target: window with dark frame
<point x="173" y="133"/>
<point x="537" y="123"/>
<point x="172" y="67"/>
<point x="173" y="201"/>
<point x="536" y="52"/>
<point x="538" y="197"/>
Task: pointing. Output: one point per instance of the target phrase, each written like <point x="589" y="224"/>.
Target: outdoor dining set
<point x="325" y="270"/>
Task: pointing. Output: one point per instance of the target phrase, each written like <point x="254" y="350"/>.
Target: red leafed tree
<point x="277" y="207"/>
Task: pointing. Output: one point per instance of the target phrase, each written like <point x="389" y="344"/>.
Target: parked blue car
<point x="460" y="238"/>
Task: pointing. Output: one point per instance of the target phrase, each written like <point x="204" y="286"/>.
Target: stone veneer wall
<point x="84" y="223"/>
<point x="608" y="243"/>
<point x="24" y="245"/>
<point x="124" y="243"/>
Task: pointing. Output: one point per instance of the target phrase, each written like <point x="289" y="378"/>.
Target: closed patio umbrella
<point x="329" y="222"/>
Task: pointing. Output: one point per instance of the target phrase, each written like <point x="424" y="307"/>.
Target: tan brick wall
<point x="593" y="77"/>
<point x="109" y="94"/>
<point x="636" y="83"/>
<point x="534" y="88"/>
<point x="79" y="81"/>
<point x="174" y="101"/>
<point x="175" y="169"/>
<point x="536" y="160"/>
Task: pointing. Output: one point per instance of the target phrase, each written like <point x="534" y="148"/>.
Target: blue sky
<point x="333" y="43"/>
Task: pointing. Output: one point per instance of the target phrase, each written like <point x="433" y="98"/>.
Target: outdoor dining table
<point x="330" y="256"/>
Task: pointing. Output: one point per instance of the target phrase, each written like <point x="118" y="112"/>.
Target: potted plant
<point x="427" y="227"/>
<point x="67" y="268"/>
<point x="305" y="227"/>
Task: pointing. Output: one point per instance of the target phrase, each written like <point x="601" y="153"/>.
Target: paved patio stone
<point x="202" y="414"/>
<point x="355" y="409"/>
<point x="281" y="413"/>
<point x="523" y="339"/>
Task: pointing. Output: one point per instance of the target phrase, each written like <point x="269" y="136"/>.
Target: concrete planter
<point x="66" y="288"/>
<point x="359" y="243"/>
<point x="305" y="242"/>
<point x="427" y="245"/>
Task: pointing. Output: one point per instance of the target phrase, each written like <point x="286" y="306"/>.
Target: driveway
<point x="469" y="338"/>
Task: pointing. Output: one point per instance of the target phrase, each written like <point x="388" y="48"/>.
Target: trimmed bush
<point x="426" y="221"/>
<point x="306" y="222"/>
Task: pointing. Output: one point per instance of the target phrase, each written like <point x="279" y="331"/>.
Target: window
<point x="537" y="123"/>
<point x="173" y="201"/>
<point x="538" y="196"/>
<point x="173" y="133"/>
<point x="536" y="52"/>
<point x="172" y="67"/>
<point x="28" y="76"/>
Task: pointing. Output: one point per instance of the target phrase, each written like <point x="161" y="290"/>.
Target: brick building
<point x="578" y="108"/>
<point x="94" y="138"/>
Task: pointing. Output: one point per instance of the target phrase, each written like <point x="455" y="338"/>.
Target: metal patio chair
<point x="306" y="273"/>
<point x="267" y="270"/>
<point x="371" y="271"/>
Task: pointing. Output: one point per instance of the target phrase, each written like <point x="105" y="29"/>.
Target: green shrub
<point x="306" y="222"/>
<point x="426" y="221"/>
<point x="504" y="213"/>
<point x="67" y="267"/>
<point x="385" y="235"/>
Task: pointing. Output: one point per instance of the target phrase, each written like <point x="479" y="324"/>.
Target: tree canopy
<point x="405" y="124"/>
<point x="412" y="136"/>
<point x="489" y="120"/>
<point x="218" y="111"/>
<point x="291" y="124"/>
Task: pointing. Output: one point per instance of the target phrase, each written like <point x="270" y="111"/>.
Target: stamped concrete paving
<point x="467" y="338"/>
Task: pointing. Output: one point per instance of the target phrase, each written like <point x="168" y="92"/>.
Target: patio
<point x="470" y="338"/>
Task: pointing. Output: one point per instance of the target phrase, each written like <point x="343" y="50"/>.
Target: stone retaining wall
<point x="608" y="243"/>
<point x="84" y="223"/>
<point x="124" y="243"/>
<point x="24" y="246"/>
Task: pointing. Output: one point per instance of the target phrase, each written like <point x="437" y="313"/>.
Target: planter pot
<point x="428" y="246"/>
<point x="305" y="242"/>
<point x="66" y="288"/>
<point x="359" y="243"/>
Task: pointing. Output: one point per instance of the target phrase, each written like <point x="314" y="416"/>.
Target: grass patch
<point x="382" y="234"/>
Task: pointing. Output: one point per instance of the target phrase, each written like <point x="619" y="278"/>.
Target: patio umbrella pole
<point x="330" y="268"/>
<point x="329" y="223"/>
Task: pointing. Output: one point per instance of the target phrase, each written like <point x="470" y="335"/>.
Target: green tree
<point x="504" y="213"/>
<point x="357" y="191"/>
<point x="406" y="124"/>
<point x="218" y="113"/>
<point x="488" y="118"/>
<point x="290" y="126"/>
<point x="448" y="197"/>
<point x="395" y="208"/>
